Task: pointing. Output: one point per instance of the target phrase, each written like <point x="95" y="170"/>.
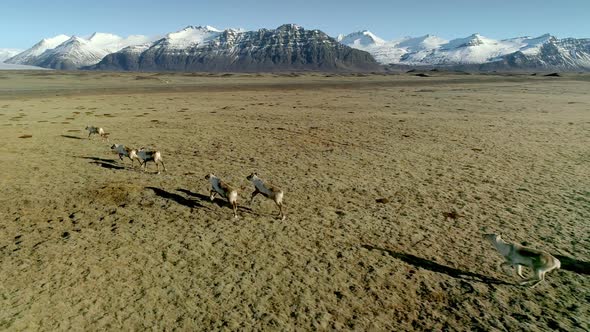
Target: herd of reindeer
<point x="143" y="156"/>
<point x="516" y="256"/>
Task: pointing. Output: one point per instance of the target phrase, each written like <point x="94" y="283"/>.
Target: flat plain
<point x="389" y="180"/>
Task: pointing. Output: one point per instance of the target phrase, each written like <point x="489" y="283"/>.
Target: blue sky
<point x="25" y="22"/>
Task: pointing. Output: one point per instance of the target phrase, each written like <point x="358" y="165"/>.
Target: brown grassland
<point x="389" y="180"/>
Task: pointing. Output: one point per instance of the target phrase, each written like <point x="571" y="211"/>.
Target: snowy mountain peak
<point x="425" y="42"/>
<point x="548" y="37"/>
<point x="210" y="28"/>
<point x="71" y="54"/>
<point x="45" y="44"/>
<point x="361" y="38"/>
<point x="7" y="53"/>
<point x="112" y="43"/>
<point x="190" y="36"/>
<point x="77" y="45"/>
<point x="53" y="41"/>
<point x="101" y="38"/>
<point x="289" y="26"/>
<point x="544" y="37"/>
<point x="206" y="28"/>
<point x="474" y="40"/>
<point x="75" y="39"/>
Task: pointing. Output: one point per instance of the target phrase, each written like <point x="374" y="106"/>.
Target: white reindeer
<point x="124" y="151"/>
<point x="96" y="131"/>
<point x="224" y="190"/>
<point x="267" y="191"/>
<point x="150" y="155"/>
<point x="517" y="256"/>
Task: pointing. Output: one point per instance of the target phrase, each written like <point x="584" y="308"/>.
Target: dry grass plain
<point x="88" y="243"/>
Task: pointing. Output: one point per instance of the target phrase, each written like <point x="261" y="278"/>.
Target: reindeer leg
<point x="281" y="214"/>
<point x="540" y="276"/>
<point x="536" y="283"/>
<point x="235" y="207"/>
<point x="519" y="271"/>
<point x="212" y="194"/>
<point x="254" y="193"/>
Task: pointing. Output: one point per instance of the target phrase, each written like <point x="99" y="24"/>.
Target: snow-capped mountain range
<point x="292" y="47"/>
<point x="73" y="52"/>
<point x="476" y="51"/>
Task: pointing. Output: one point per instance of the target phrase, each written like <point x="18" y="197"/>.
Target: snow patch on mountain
<point x="136" y="49"/>
<point x="477" y="49"/>
<point x="474" y="49"/>
<point x="76" y="50"/>
<point x="30" y="54"/>
<point x="190" y="36"/>
<point x="7" y="53"/>
<point x="469" y="50"/>
<point x="415" y="44"/>
<point x="361" y="39"/>
<point x="387" y="52"/>
<point x="532" y="46"/>
<point x="65" y="52"/>
<point x="113" y="43"/>
<point x="415" y="47"/>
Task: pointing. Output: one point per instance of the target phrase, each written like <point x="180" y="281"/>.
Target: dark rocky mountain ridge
<point x="287" y="48"/>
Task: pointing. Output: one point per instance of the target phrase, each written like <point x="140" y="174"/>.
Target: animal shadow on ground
<point x="439" y="268"/>
<point x="574" y="265"/>
<point x="72" y="137"/>
<point x="105" y="163"/>
<point x="97" y="159"/>
<point x="175" y="197"/>
<point x="221" y="202"/>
